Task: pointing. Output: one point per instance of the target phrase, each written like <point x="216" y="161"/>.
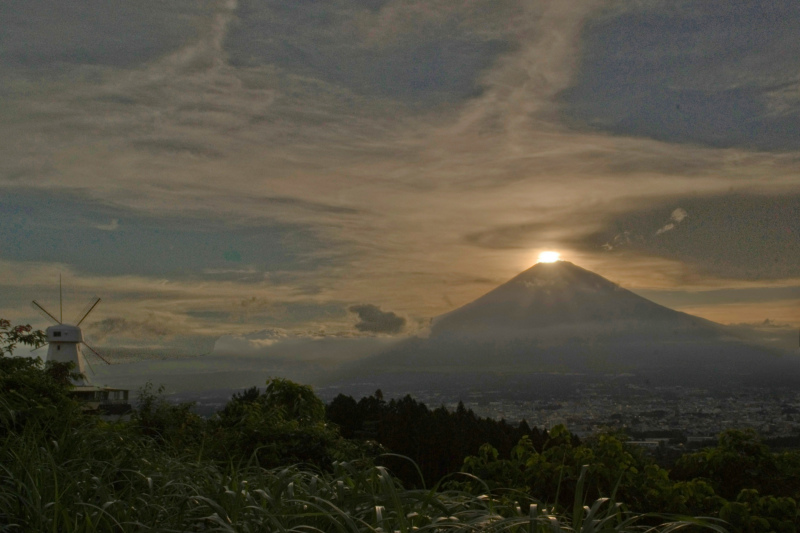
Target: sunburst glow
<point x="549" y="257"/>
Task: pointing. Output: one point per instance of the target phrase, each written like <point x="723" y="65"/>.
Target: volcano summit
<point x="560" y="319"/>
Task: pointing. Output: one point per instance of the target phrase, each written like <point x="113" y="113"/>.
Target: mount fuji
<point x="558" y="319"/>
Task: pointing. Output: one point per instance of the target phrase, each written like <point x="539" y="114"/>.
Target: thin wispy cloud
<point x="676" y="218"/>
<point x="111" y="226"/>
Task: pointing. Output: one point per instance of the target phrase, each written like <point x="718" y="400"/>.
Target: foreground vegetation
<point x="739" y="480"/>
<point x="63" y="471"/>
<point x="92" y="479"/>
<point x="272" y="460"/>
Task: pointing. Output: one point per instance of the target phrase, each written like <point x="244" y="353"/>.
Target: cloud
<point x="677" y="217"/>
<point x="769" y="332"/>
<point x="781" y="311"/>
<point x="508" y="237"/>
<point x="623" y="239"/>
<point x="738" y="236"/>
<point x="679" y="214"/>
<point x="176" y="147"/>
<point x="48" y="32"/>
<point x="111" y="226"/>
<point x="119" y="326"/>
<point x="252" y="341"/>
<point x="278" y="344"/>
<point x="753" y="295"/>
<point x="372" y="319"/>
<point x="712" y="73"/>
<point x="346" y="155"/>
<point x="629" y="237"/>
<point x="306" y="205"/>
<point x="767" y="324"/>
<point x="420" y="56"/>
<point x="51" y="226"/>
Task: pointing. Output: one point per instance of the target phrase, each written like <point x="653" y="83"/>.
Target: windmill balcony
<point x="102" y="399"/>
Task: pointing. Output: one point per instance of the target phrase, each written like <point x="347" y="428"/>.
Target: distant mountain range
<point x="558" y="319"/>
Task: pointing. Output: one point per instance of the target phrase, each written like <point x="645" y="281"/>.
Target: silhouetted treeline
<point x="437" y="440"/>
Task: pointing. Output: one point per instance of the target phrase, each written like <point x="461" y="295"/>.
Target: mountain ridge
<point x="565" y="292"/>
<point x="560" y="318"/>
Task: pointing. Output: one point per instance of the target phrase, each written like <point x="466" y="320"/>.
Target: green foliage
<point x="168" y="424"/>
<point x="552" y="474"/>
<point x="761" y="514"/>
<point x="31" y="391"/>
<point x="739" y="461"/>
<point x="294" y="401"/>
<point x="31" y="394"/>
<point x="758" y="489"/>
<point x="552" y="482"/>
<point x="437" y="440"/>
<point x="98" y="480"/>
<point x="283" y="425"/>
<point x="169" y="470"/>
<point x="11" y="336"/>
<point x="564" y="474"/>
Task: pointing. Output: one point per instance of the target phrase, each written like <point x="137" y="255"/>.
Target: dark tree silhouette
<point x="437" y="440"/>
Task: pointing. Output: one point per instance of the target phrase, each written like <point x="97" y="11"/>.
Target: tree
<point x="344" y="412"/>
<point x="739" y="461"/>
<point x="29" y="389"/>
<point x="285" y="424"/>
<point x="11" y="336"/>
<point x="436" y="440"/>
<point x="167" y="423"/>
<point x="294" y="401"/>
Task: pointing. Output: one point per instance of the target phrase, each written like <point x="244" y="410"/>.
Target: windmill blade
<point x="88" y="309"/>
<point x="90" y="364"/>
<point x="36" y="305"/>
<point x="97" y="354"/>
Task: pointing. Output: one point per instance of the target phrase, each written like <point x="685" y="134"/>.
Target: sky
<point x="250" y="174"/>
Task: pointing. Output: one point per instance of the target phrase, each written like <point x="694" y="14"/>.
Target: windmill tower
<point x="65" y="340"/>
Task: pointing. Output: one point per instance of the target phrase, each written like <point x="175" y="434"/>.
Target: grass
<point x="108" y="478"/>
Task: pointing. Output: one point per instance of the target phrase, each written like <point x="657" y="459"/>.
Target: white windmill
<point x="64" y="340"/>
<point x="64" y="345"/>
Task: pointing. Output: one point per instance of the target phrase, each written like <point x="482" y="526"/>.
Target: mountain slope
<point x="560" y="318"/>
<point x="558" y="295"/>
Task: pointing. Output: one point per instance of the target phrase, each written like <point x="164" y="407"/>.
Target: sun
<point x="549" y="257"/>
